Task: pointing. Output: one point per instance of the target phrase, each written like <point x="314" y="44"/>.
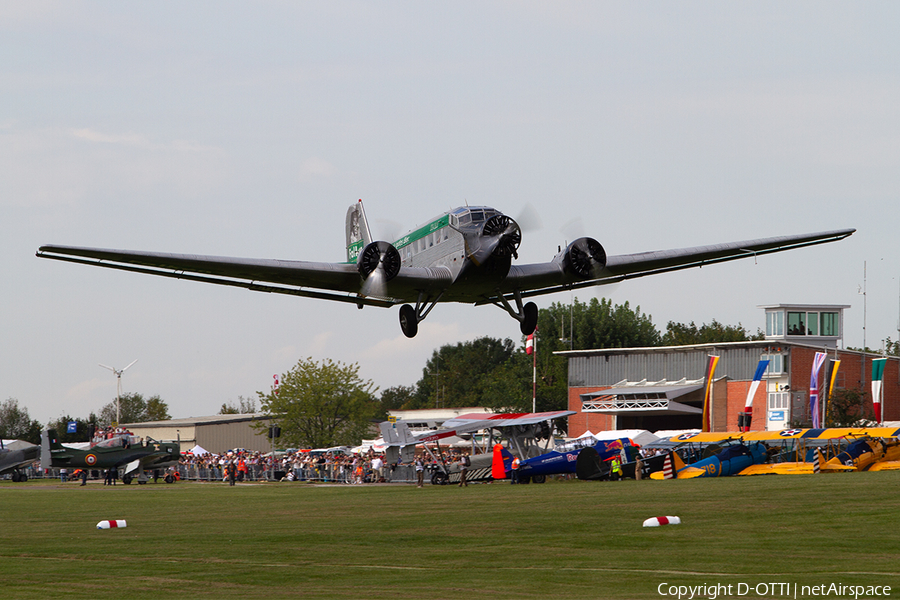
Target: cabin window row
<point x="429" y="241"/>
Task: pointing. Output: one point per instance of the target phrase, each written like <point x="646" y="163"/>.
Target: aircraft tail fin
<point x="49" y="441"/>
<point x="357" y="231"/>
<point x="677" y="463"/>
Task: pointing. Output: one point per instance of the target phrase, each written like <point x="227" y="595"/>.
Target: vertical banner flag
<point x="529" y="344"/>
<point x="754" y="385"/>
<point x="818" y="361"/>
<point x="707" y="398"/>
<point x="276" y="384"/>
<point x="830" y="377"/>
<point x="878" y="385"/>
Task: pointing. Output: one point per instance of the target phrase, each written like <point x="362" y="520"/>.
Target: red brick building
<point x="663" y="388"/>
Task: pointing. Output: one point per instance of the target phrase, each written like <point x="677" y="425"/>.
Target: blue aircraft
<point x="730" y="461"/>
<point x="555" y="462"/>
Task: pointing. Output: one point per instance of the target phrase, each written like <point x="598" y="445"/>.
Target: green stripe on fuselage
<point x="421" y="232"/>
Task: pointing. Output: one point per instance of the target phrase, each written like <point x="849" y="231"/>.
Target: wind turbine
<point x="118" y="373"/>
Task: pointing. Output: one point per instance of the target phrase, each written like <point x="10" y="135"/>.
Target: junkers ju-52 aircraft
<point x="464" y="255"/>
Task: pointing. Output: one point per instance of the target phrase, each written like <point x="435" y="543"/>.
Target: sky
<point x="247" y="129"/>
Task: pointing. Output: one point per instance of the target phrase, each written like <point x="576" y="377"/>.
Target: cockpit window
<point x="465" y="215"/>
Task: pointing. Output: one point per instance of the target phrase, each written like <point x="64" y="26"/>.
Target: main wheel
<point x="126" y="479"/>
<point x="538" y="478"/>
<point x="409" y="322"/>
<point x="439" y="478"/>
<point x="529" y="323"/>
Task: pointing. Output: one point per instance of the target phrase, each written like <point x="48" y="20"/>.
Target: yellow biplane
<point x="869" y="449"/>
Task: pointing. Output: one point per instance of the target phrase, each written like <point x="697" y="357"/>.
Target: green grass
<point x="558" y="540"/>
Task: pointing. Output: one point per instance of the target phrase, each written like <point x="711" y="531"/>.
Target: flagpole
<point x="534" y="375"/>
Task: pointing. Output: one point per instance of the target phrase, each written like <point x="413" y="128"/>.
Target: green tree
<point x="319" y="405"/>
<point x="849" y="408"/>
<point x="456" y="375"/>
<point x="135" y="409"/>
<point x="396" y="398"/>
<point x="679" y="334"/>
<point x="597" y="323"/>
<point x="244" y="406"/>
<point x="84" y="428"/>
<point x="15" y="424"/>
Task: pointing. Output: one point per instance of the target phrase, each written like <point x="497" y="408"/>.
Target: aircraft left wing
<point x="293" y="277"/>
<point x="546" y="278"/>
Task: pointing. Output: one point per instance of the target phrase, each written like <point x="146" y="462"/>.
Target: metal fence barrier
<point x="319" y="474"/>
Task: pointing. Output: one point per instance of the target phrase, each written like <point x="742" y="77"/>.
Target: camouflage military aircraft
<point x="123" y="451"/>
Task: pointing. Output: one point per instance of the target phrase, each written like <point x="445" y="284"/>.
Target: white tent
<point x="197" y="451"/>
<point x="640" y="437"/>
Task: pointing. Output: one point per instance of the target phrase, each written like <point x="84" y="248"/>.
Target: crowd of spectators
<point x="300" y="465"/>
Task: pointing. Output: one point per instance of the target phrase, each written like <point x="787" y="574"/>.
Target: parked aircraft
<point x="16" y="455"/>
<point x="464" y="255"/>
<point x="867" y="454"/>
<point x="730" y="461"/>
<point x="522" y="431"/>
<point x="555" y="462"/>
<point x="124" y="450"/>
<point x="872" y="448"/>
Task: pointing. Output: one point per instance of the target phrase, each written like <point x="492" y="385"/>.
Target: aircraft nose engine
<point x="585" y="258"/>
<point x="378" y="263"/>
<point x="505" y="234"/>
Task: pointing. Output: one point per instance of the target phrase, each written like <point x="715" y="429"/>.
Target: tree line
<point x="325" y="403"/>
<point x="15" y="422"/>
<point x="498" y="373"/>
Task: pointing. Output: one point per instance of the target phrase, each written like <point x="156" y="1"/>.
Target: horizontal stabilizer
<point x="396" y="434"/>
<point x="690" y="473"/>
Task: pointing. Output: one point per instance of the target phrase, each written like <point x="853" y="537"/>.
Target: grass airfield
<point x="567" y="539"/>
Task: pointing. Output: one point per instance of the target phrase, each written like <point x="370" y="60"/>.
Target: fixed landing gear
<point x="525" y="314"/>
<point x="529" y="318"/>
<point x="410" y="317"/>
<point x="408" y="321"/>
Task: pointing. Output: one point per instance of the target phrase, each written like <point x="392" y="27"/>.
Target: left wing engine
<point x="378" y="263"/>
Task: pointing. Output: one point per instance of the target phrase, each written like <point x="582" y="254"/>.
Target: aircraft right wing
<point x="546" y="278"/>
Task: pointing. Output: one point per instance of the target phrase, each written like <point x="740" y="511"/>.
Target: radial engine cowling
<point x="379" y="254"/>
<point x="585" y="258"/>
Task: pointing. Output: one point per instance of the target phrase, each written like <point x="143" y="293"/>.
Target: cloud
<point x="314" y="168"/>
